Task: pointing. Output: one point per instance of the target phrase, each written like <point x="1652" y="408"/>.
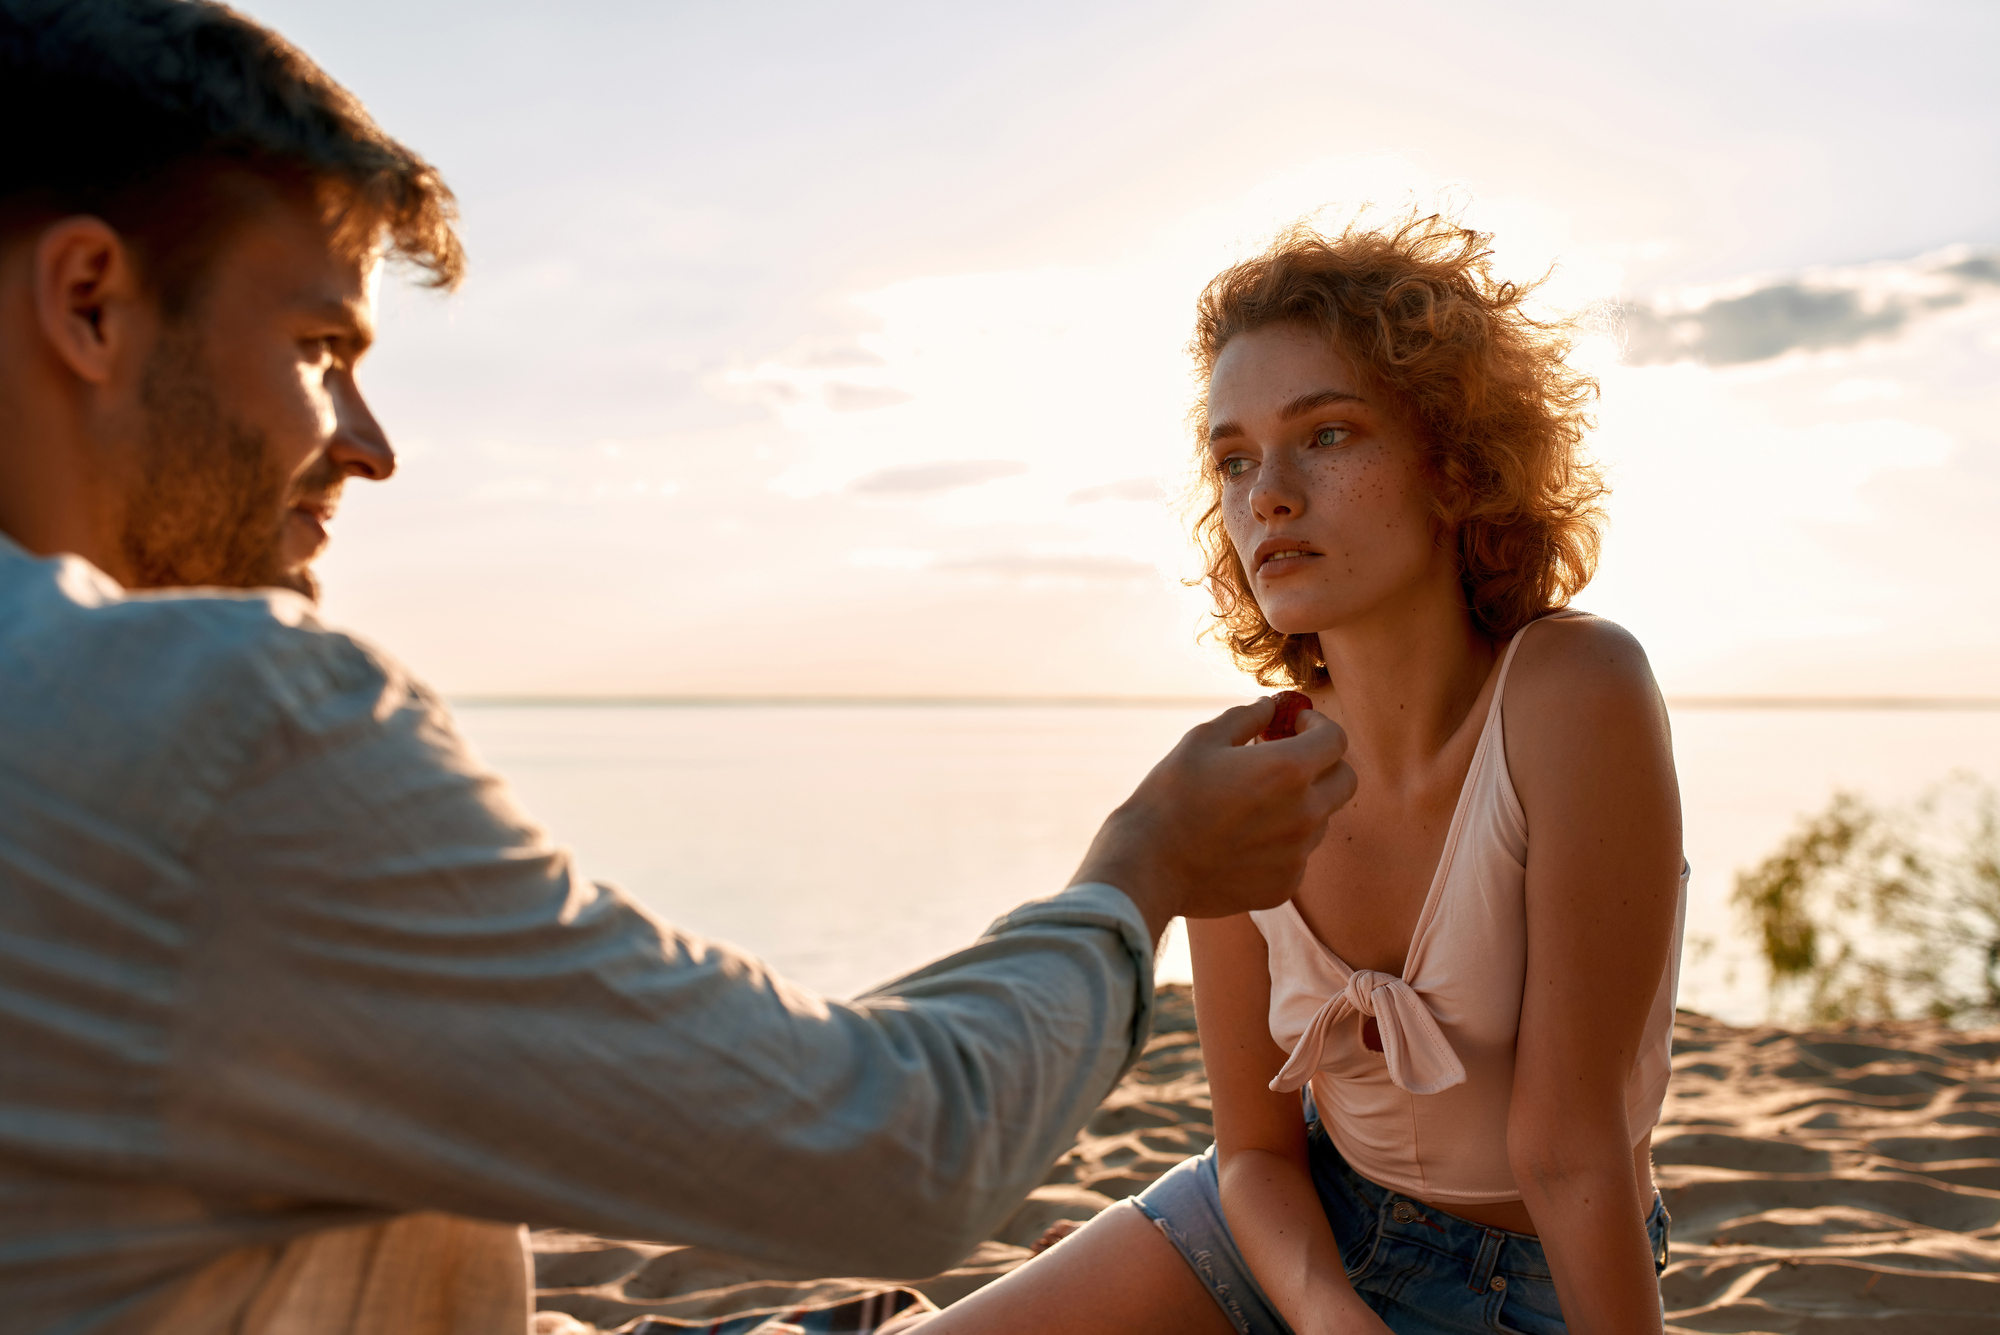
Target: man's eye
<point x="1331" y="435"/>
<point x="1235" y="467"/>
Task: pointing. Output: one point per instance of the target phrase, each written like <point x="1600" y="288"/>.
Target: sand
<point x="1832" y="1183"/>
<point x="1821" y="1184"/>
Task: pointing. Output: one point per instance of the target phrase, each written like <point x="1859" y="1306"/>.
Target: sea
<point x="848" y="843"/>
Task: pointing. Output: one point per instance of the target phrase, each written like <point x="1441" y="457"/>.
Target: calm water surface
<point x="847" y="844"/>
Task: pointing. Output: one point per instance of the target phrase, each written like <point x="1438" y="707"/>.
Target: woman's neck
<point x="1403" y="681"/>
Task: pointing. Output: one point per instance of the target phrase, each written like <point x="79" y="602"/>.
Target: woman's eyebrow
<point x="1299" y="407"/>
<point x="1319" y="398"/>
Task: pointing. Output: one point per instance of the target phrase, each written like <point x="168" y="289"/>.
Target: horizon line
<point x="1840" y="703"/>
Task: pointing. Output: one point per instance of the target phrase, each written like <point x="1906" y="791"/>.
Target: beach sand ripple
<point x="1834" y="1183"/>
<point x="1828" y="1183"/>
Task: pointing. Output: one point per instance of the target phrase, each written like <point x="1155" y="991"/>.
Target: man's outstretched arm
<point x="404" y="995"/>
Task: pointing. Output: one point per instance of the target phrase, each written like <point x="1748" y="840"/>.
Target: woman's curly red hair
<point x="1499" y="412"/>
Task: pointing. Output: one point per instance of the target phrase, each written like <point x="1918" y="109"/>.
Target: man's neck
<point x="46" y="507"/>
<point x="52" y="475"/>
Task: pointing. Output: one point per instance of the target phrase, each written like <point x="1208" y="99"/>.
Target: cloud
<point x="828" y="354"/>
<point x="504" y="490"/>
<point x="1128" y="489"/>
<point x="1864" y="389"/>
<point x="915" y="480"/>
<point x="890" y="558"/>
<point x="846" y="398"/>
<point x="1977" y="269"/>
<point x="1836" y="309"/>
<point x="1758" y="325"/>
<point x="1057" y="565"/>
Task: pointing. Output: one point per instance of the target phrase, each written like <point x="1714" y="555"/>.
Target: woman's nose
<point x="1278" y="492"/>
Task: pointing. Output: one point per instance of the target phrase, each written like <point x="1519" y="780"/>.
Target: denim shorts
<point x="1423" y="1271"/>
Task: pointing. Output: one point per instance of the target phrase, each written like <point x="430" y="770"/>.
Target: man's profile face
<point x="252" y="417"/>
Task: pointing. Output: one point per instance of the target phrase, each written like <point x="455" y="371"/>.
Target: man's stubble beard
<point x="210" y="506"/>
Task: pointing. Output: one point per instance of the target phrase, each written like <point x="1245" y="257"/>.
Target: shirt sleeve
<point x="402" y="995"/>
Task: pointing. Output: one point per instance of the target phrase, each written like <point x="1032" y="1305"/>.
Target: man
<point x="293" y="999"/>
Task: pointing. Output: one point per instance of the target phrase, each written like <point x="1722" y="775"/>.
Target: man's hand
<point x="1220" y="827"/>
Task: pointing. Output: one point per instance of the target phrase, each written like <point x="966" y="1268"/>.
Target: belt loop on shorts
<point x="1482" y="1279"/>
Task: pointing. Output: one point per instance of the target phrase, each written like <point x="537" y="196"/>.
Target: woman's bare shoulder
<point x="1583" y="652"/>
<point x="1580" y="681"/>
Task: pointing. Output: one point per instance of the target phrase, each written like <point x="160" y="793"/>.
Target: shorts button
<point x="1499" y="1283"/>
<point x="1404" y="1212"/>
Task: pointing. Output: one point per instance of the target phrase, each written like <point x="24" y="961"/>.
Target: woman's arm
<point x="1267" y="1189"/>
<point x="1592" y="761"/>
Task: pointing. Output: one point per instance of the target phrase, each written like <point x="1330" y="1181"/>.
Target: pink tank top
<point x="1427" y="1116"/>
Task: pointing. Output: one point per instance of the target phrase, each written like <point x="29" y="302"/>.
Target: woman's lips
<point x="1280" y="564"/>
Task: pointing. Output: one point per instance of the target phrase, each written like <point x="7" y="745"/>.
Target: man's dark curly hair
<point x="149" y="114"/>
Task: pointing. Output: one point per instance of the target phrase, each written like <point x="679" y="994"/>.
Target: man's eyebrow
<point x="355" y="327"/>
<point x="1299" y="407"/>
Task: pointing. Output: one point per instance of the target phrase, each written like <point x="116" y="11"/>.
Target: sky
<point x="840" y="350"/>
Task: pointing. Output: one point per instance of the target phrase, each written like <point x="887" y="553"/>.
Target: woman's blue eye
<point x="1330" y="435"/>
<point x="1234" y="467"/>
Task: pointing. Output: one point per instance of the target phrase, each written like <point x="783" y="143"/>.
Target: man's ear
<point x="88" y="298"/>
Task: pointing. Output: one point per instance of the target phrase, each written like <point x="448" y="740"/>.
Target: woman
<point x="1474" y="983"/>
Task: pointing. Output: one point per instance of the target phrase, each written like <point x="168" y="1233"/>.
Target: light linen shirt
<point x="278" y="954"/>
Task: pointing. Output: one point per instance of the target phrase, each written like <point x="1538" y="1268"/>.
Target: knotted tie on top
<point x="1419" y="1056"/>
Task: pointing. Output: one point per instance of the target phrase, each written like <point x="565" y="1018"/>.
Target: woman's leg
<point x="1117" y="1273"/>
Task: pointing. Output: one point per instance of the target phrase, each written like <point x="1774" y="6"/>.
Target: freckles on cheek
<point x="1236" y="522"/>
<point x="1346" y="479"/>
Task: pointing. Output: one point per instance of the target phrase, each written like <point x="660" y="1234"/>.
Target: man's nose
<point x="360" y="446"/>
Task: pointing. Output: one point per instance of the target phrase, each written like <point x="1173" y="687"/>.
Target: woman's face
<point x="1323" y="493"/>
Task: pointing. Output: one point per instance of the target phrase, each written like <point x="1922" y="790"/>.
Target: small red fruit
<point x="1285" y="723"/>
